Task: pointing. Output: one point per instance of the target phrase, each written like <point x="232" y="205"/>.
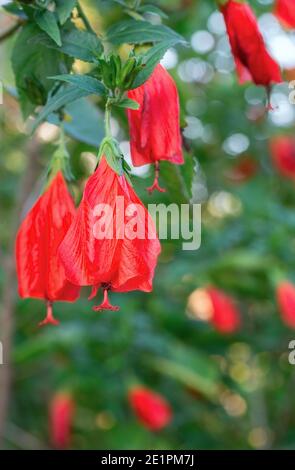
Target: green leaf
<point x="151" y="59"/>
<point x="178" y="179"/>
<point x="86" y="124"/>
<point x="57" y="101"/>
<point x="113" y="161"/>
<point x="84" y="82"/>
<point x="128" y="103"/>
<point x="32" y="64"/>
<point x="152" y="9"/>
<point x="75" y="43"/>
<point x="120" y="2"/>
<point x="14" y="9"/>
<point x="64" y="9"/>
<point x="81" y="45"/>
<point x="191" y="368"/>
<point x="46" y="20"/>
<point x="138" y="32"/>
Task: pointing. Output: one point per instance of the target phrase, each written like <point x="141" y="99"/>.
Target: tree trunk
<point x="9" y="288"/>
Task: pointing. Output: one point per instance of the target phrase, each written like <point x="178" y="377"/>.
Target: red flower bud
<point x="151" y="409"/>
<point x="252" y="59"/>
<point x="283" y="155"/>
<point x="40" y="272"/>
<point x="285" y="12"/>
<point x="225" y="315"/>
<point x="61" y="413"/>
<point x="155" y="127"/>
<point x="112" y="243"/>
<point x="286" y="302"/>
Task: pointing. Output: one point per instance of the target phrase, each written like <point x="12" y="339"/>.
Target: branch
<point x="84" y="18"/>
<point x="7" y="305"/>
<point x="9" y="32"/>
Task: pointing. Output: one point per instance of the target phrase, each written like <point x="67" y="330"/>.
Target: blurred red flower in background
<point x="152" y="410"/>
<point x="61" y="414"/>
<point x="40" y="272"/>
<point x="285" y="12"/>
<point x="114" y="262"/>
<point x="286" y="302"/>
<point x="252" y="59"/>
<point x="225" y="314"/>
<point x="155" y="127"/>
<point x="242" y="170"/>
<point x="282" y="150"/>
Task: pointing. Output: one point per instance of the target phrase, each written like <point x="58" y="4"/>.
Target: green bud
<point x="127" y="72"/>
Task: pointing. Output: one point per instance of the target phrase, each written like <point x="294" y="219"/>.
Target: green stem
<point x="62" y="140"/>
<point x="107" y="119"/>
<point x="84" y="18"/>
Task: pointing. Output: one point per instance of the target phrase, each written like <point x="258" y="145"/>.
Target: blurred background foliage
<point x="227" y="391"/>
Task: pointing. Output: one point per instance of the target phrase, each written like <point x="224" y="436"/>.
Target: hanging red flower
<point x="286" y="302"/>
<point x="152" y="410"/>
<point x="39" y="270"/>
<point x="112" y="243"/>
<point x="285" y="12"/>
<point x="252" y="59"/>
<point x="225" y="315"/>
<point x="282" y="151"/>
<point x="155" y="126"/>
<point x="61" y="413"/>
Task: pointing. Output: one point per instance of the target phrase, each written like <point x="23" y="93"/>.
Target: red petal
<point x="61" y="414"/>
<point x="251" y="56"/>
<point x="40" y="272"/>
<point x="123" y="263"/>
<point x="285" y="11"/>
<point x="282" y="150"/>
<point x="226" y="317"/>
<point x="155" y="126"/>
<point x="152" y="409"/>
<point x="286" y="302"/>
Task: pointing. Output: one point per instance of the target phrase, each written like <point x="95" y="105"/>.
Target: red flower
<point x="285" y="12"/>
<point x="243" y="170"/>
<point x="286" y="302"/>
<point x="40" y="272"/>
<point x="225" y="315"/>
<point x="61" y="412"/>
<point x="151" y="409"/>
<point x="112" y="242"/>
<point x="155" y="127"/>
<point x="252" y="59"/>
<point x="283" y="155"/>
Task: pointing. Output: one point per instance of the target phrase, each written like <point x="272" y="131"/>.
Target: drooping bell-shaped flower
<point x="112" y="243"/>
<point x="151" y="409"/>
<point x="285" y="12"/>
<point x="155" y="127"/>
<point x="40" y="272"/>
<point x="253" y="61"/>
<point x="286" y="301"/>
<point x="282" y="149"/>
<point x="225" y="314"/>
<point x="61" y="414"/>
